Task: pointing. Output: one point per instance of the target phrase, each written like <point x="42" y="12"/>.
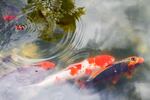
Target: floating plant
<point x="56" y="17"/>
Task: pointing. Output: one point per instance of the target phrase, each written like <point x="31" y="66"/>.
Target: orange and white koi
<point x="86" y="68"/>
<point x="103" y="65"/>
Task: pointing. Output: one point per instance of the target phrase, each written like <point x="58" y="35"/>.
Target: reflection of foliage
<point x="53" y="14"/>
<point x="29" y="51"/>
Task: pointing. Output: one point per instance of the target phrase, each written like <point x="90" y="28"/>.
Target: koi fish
<point x="85" y="68"/>
<point x="101" y="66"/>
<point x="47" y="65"/>
<point x="20" y="27"/>
<point x="125" y="67"/>
<point x="9" y="17"/>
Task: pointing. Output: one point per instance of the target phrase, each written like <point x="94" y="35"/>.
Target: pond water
<point x="116" y="27"/>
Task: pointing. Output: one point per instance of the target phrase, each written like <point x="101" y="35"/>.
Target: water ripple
<point x="63" y="50"/>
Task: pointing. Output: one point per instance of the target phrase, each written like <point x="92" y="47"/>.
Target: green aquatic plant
<point x="53" y="15"/>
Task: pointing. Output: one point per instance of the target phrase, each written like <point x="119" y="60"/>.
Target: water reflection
<point x="119" y="28"/>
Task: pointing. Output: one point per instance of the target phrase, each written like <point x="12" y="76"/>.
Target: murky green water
<point x="116" y="27"/>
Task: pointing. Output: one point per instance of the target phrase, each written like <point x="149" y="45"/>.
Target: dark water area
<point x="116" y="27"/>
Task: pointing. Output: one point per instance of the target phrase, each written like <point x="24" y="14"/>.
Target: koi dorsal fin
<point x="97" y="72"/>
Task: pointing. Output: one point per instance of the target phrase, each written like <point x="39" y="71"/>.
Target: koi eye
<point x="133" y="59"/>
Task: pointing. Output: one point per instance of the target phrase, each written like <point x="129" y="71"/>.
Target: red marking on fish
<point x="101" y="61"/>
<point x="88" y="71"/>
<point x="19" y="27"/>
<point x="78" y="66"/>
<point x="46" y="65"/>
<point x="75" y="69"/>
<point x="91" y="60"/>
<point x="104" y="60"/>
<point x="9" y="17"/>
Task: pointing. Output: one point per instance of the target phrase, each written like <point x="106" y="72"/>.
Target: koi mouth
<point x="141" y="60"/>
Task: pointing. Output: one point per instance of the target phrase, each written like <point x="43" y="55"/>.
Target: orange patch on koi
<point x="88" y="71"/>
<point x="91" y="60"/>
<point x="104" y="60"/>
<point x="46" y="65"/>
<point x="74" y="69"/>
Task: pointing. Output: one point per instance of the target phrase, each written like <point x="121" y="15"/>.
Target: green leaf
<point x="52" y="14"/>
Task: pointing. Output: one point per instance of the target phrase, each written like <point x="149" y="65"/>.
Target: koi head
<point x="134" y="60"/>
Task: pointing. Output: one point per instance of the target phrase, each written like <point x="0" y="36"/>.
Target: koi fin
<point x="80" y="84"/>
<point x="115" y="79"/>
<point x="129" y="74"/>
<point x="94" y="74"/>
